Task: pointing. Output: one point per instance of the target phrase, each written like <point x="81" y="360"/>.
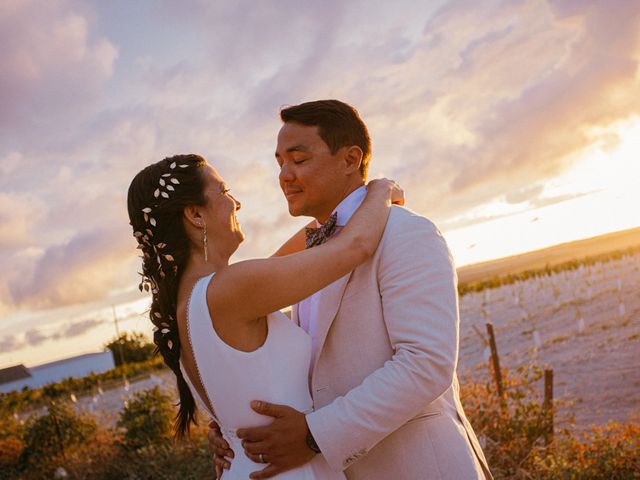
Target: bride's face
<point x="220" y="211"/>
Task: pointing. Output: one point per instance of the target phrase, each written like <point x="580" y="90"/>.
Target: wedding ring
<point x="261" y="458"/>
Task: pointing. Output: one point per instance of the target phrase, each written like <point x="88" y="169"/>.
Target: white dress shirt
<point x="308" y="308"/>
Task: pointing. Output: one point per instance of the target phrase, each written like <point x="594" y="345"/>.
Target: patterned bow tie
<point x="317" y="236"/>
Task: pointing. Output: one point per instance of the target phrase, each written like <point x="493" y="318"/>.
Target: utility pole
<point x="118" y="341"/>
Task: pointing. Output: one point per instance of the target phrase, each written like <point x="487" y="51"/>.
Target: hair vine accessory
<point x="145" y="241"/>
<point x="163" y="330"/>
<point x="166" y="184"/>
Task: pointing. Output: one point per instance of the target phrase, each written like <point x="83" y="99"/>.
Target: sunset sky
<point x="513" y="125"/>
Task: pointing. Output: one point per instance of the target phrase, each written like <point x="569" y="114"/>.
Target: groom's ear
<point x="353" y="159"/>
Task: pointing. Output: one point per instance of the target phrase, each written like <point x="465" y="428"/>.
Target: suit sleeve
<point x="417" y="282"/>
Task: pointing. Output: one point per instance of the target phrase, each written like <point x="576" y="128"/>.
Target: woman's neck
<point x="197" y="267"/>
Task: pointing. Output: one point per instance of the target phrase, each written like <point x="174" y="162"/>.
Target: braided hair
<point x="156" y="200"/>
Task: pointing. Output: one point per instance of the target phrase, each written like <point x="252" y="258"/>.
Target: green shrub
<point x="511" y="428"/>
<point x="131" y="348"/>
<point x="11" y="446"/>
<point x="10" y="450"/>
<point x="54" y="434"/>
<point x="10" y="426"/>
<point x="28" y="399"/>
<point x="147" y="419"/>
<point x="187" y="460"/>
<point x="611" y="452"/>
<point x="516" y="442"/>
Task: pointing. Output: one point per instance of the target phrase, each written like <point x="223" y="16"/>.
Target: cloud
<point x="37" y="336"/>
<point x="535" y="200"/>
<point x="18" y="217"/>
<point x="461" y="112"/>
<point x="51" y="65"/>
<point x="84" y="269"/>
<point x="505" y="101"/>
<point x="80" y="327"/>
<point x="34" y="337"/>
<point x="10" y="343"/>
<point x="530" y="197"/>
<point x="546" y="201"/>
<point x="524" y="194"/>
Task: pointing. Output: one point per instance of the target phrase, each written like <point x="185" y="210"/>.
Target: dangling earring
<point x="205" y="242"/>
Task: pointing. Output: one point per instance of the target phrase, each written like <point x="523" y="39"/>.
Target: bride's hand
<point x="396" y="191"/>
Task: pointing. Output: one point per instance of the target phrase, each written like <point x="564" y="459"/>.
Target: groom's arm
<point x="418" y="289"/>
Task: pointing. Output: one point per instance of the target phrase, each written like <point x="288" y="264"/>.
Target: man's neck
<point x="347" y="191"/>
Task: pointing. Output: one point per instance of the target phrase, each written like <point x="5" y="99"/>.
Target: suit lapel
<point x="328" y="305"/>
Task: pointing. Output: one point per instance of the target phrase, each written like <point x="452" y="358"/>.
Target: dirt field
<point x="551" y="256"/>
<point x="585" y="324"/>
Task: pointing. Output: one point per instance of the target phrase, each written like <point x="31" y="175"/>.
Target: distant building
<point x="14" y="374"/>
<point x="18" y="376"/>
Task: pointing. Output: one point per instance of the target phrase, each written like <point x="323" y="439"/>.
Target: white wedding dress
<point x="276" y="372"/>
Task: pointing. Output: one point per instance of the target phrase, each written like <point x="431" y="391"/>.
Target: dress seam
<point x="193" y="351"/>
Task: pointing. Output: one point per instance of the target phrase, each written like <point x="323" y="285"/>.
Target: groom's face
<point x="312" y="179"/>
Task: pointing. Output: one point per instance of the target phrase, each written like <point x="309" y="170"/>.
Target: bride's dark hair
<point x="156" y="200"/>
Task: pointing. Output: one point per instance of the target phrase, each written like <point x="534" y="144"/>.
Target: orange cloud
<point x="84" y="269"/>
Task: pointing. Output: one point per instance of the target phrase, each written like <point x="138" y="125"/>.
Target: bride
<point x="218" y="326"/>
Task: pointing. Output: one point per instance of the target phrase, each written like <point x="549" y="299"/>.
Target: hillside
<point x="551" y="256"/>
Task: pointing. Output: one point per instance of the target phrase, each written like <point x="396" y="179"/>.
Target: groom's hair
<point x="339" y="125"/>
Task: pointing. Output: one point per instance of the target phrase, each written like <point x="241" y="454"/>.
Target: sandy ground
<point x="106" y="405"/>
<point x="584" y="324"/>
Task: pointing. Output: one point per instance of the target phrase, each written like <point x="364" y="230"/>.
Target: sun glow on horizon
<point x="602" y="196"/>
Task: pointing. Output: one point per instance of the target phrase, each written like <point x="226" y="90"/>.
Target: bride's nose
<point x="238" y="204"/>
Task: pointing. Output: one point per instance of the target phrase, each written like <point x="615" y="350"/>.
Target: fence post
<point x="495" y="360"/>
<point x="548" y="404"/>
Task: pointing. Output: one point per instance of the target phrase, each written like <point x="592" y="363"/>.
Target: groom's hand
<point x="282" y="444"/>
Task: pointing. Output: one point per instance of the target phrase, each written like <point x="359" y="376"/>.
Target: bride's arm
<point x="296" y="243"/>
<point x="253" y="288"/>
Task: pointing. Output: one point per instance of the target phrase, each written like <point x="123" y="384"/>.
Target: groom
<point x="384" y="337"/>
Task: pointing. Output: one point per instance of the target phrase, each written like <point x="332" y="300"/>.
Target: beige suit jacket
<point x="384" y="385"/>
